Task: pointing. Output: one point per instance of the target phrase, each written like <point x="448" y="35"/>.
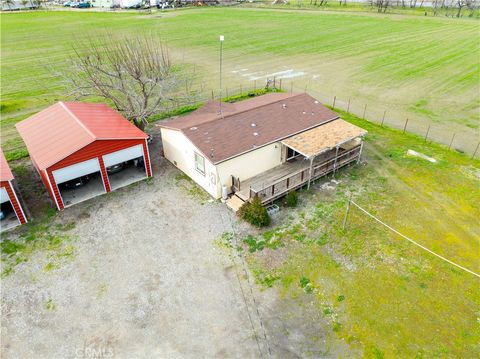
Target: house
<point x="128" y="4"/>
<point x="11" y="211"/>
<point x="261" y="147"/>
<point x="82" y="150"/>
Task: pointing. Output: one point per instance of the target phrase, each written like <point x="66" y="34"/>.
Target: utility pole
<point x="221" y="54"/>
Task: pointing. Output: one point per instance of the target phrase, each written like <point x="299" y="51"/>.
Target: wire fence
<point x="467" y="142"/>
<point x="462" y="141"/>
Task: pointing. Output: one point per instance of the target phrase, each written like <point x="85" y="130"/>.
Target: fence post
<point x="383" y="118"/>
<point x="280" y="84"/>
<point x="226" y="91"/>
<point x="213" y="97"/>
<point x="348" y="106"/>
<point x="405" y="127"/>
<point x="451" y="142"/>
<point x="254" y="85"/>
<point x="426" y="135"/>
<point x="291" y="87"/>
<point x="346" y="213"/>
<point x="476" y="149"/>
<point x="305" y="88"/>
<point x="334" y="100"/>
<point x="241" y="89"/>
<point x="364" y="111"/>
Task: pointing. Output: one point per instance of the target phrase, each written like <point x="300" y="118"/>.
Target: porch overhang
<point x="323" y="138"/>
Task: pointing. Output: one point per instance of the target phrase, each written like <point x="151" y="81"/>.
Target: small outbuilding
<point x="11" y="211"/>
<point x="82" y="150"/>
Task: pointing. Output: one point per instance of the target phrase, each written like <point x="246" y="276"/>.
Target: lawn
<point x="381" y="294"/>
<point x="426" y="69"/>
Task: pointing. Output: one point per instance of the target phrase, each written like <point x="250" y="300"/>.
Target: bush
<point x="255" y="213"/>
<point x="292" y="199"/>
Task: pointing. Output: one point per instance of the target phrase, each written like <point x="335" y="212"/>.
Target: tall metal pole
<point x="221" y="53"/>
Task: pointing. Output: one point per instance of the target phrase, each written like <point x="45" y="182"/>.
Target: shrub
<point x="306" y="285"/>
<point x="255" y="213"/>
<point x="292" y="199"/>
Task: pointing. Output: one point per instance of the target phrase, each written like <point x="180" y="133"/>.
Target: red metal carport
<point x="72" y="142"/>
<point x="12" y="211"/>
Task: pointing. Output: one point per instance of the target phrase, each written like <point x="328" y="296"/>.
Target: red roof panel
<point x="5" y="172"/>
<point x="64" y="128"/>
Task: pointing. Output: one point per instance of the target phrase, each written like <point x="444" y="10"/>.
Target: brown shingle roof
<point x="250" y="124"/>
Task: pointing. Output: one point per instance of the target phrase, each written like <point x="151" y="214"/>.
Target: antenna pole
<point x="221" y="53"/>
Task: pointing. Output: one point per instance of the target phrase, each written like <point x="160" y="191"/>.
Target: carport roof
<point x="323" y="138"/>
<point x="64" y="128"/>
<point x="5" y="172"/>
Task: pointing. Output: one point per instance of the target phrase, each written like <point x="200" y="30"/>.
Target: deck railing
<point x="299" y="178"/>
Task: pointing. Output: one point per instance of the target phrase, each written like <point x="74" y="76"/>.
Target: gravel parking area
<point x="148" y="279"/>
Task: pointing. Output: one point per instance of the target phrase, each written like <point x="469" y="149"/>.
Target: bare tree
<point x="8" y="3"/>
<point x="38" y="3"/>
<point x="435" y="6"/>
<point x="473" y="6"/>
<point x="133" y="73"/>
<point x="460" y="5"/>
<point x="381" y="5"/>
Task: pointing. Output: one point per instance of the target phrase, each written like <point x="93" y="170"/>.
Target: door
<point x="77" y="170"/>
<point x="123" y="155"/>
<point x="4" y="195"/>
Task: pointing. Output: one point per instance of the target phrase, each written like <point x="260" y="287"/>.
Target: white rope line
<point x="412" y="241"/>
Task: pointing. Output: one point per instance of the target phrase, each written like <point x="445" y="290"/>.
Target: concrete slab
<point x="11" y="220"/>
<point x="128" y="175"/>
<point x="92" y="189"/>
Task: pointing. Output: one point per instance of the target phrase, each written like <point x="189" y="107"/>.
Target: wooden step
<point x="234" y="203"/>
<point x="241" y="196"/>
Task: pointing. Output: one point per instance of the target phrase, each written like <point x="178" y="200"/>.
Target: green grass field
<point x="384" y="296"/>
<point x="426" y="69"/>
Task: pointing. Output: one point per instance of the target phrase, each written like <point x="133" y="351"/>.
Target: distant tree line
<point x="452" y="8"/>
<point x="449" y="8"/>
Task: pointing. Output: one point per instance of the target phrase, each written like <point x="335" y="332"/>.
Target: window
<point x="291" y="154"/>
<point x="200" y="164"/>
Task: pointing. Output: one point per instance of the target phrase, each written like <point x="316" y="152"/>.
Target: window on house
<point x="200" y="163"/>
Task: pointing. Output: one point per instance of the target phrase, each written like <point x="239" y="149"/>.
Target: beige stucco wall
<point x="250" y="164"/>
<point x="180" y="151"/>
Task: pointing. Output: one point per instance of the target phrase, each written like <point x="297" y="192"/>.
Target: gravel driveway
<point x="148" y="279"/>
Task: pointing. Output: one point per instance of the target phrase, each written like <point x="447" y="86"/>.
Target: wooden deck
<point x="279" y="180"/>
